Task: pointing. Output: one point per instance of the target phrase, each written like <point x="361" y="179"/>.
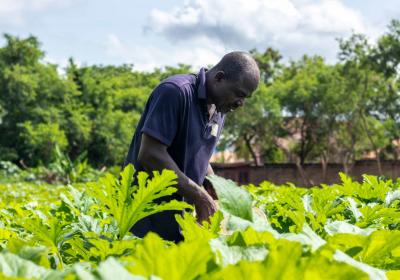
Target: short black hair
<point x="236" y="64"/>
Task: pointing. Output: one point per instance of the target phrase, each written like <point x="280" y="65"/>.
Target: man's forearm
<point x="159" y="161"/>
<point x="153" y="155"/>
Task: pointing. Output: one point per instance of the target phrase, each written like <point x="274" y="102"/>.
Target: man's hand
<point x="205" y="206"/>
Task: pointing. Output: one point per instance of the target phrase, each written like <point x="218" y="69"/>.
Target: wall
<point x="245" y="173"/>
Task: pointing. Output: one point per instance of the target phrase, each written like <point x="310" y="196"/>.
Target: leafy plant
<point x="128" y="203"/>
<point x="81" y="231"/>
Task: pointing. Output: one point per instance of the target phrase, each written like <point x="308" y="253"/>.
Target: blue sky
<point x="155" y="33"/>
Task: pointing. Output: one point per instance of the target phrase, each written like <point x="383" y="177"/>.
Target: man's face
<point x="230" y="95"/>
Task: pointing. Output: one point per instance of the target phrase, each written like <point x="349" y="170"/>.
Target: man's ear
<point x="220" y="75"/>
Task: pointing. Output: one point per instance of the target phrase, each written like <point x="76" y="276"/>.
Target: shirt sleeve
<point x="163" y="116"/>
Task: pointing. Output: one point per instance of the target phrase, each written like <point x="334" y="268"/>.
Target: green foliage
<point x="232" y="199"/>
<point x="41" y="141"/>
<point x="21" y="51"/>
<point x="303" y="111"/>
<point x="110" y="149"/>
<point x="345" y="231"/>
<point x="192" y="232"/>
<point x="128" y="204"/>
<point x="14" y="266"/>
<point x="92" y="109"/>
<point x="186" y="260"/>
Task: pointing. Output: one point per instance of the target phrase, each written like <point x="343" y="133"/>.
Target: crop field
<point x="81" y="231"/>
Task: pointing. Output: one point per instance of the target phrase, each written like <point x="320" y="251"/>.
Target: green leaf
<point x="14" y="266"/>
<point x="192" y="231"/>
<point x="111" y="269"/>
<point x="226" y="255"/>
<point x="283" y="260"/>
<point x="380" y="249"/>
<point x="243" y="270"/>
<point x="353" y="207"/>
<point x="251" y="237"/>
<point x="233" y="199"/>
<point x="348" y="243"/>
<point x="321" y="265"/>
<point x="128" y="204"/>
<point x="83" y="273"/>
<point x="393" y="274"/>
<point x="38" y="254"/>
<point x="45" y="230"/>
<point x="233" y="223"/>
<point x="306" y="237"/>
<point x="392" y="196"/>
<point x="373" y="273"/>
<point x="344" y="227"/>
<point x="187" y="260"/>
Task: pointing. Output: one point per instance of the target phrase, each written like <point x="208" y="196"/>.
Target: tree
<point x="30" y="92"/>
<point x="365" y="85"/>
<point x="311" y="96"/>
<point x="269" y="63"/>
<point x="386" y="60"/>
<point x="107" y="107"/>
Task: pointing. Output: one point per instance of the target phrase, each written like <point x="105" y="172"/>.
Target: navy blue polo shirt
<point x="176" y="115"/>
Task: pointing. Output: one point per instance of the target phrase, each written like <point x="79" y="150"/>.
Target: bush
<point x="41" y="140"/>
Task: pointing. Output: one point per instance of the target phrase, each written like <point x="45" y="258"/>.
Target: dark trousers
<point x="163" y="223"/>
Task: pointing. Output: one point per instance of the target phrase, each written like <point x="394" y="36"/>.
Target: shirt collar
<point x="202" y="84"/>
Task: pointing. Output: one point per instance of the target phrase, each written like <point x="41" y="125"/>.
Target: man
<point x="179" y="130"/>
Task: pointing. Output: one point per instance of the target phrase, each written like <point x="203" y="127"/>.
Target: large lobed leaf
<point x="233" y="199"/>
<point x="128" y="203"/>
<point x="187" y="260"/>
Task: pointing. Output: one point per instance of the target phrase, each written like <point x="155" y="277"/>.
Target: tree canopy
<point x="304" y="110"/>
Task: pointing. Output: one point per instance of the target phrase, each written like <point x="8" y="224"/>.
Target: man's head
<point x="232" y="80"/>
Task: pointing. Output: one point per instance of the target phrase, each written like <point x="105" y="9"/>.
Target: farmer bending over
<point x="179" y="129"/>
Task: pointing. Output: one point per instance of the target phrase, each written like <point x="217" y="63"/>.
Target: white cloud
<point x="330" y="17"/>
<point x="295" y="27"/>
<point x="232" y="22"/>
<point x="13" y="12"/>
<point x="148" y="57"/>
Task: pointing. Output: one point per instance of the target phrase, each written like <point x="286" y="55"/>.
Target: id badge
<point x="214" y="130"/>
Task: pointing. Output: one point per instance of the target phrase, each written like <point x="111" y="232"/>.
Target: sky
<point x="156" y="33"/>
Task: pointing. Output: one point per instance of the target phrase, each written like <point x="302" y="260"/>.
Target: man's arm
<point x="153" y="155"/>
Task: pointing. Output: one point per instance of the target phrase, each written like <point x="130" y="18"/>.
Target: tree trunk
<point x="324" y="164"/>
<point x="375" y="148"/>
<point x="303" y="143"/>
<point x="364" y="122"/>
<point x="345" y="166"/>
<point x="251" y="150"/>
<point x="348" y="162"/>
<point x="306" y="180"/>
